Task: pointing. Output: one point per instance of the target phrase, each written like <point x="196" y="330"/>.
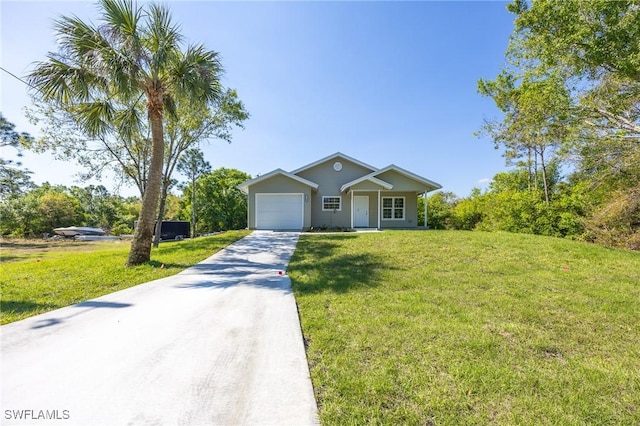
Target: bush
<point x="121" y="229"/>
<point x="617" y="222"/>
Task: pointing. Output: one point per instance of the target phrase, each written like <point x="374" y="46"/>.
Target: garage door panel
<point x="279" y="211"/>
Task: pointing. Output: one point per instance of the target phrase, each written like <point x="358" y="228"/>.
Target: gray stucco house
<point x="336" y="191"/>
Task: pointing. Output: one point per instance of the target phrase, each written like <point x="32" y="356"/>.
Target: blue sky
<point x="384" y="82"/>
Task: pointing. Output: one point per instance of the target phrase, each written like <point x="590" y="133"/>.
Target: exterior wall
<point x="329" y="183"/>
<point x="401" y="183"/>
<point x="410" y="210"/>
<point x="278" y="185"/>
<point x="320" y="218"/>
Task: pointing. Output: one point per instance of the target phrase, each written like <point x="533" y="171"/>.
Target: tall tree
<point x="99" y="207"/>
<point x="535" y="123"/>
<point x="223" y="206"/>
<point x="100" y="72"/>
<point x="190" y="128"/>
<point x="13" y="179"/>
<point x="592" y="46"/>
<point x="193" y="165"/>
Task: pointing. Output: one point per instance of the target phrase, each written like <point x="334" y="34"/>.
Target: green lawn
<point x="469" y="328"/>
<point x="33" y="281"/>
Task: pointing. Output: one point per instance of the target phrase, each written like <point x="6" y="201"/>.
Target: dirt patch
<point x="15" y="249"/>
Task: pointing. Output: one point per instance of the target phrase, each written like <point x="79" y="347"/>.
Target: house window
<point x="331" y="203"/>
<point x="393" y="208"/>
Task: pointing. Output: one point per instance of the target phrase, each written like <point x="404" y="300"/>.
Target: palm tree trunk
<point x="141" y="244"/>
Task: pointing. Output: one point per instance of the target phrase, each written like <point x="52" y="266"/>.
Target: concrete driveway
<point x="219" y="343"/>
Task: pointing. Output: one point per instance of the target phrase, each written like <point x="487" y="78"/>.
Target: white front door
<point x="361" y="211"/>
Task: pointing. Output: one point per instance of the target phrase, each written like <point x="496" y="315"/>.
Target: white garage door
<point x="279" y="211"/>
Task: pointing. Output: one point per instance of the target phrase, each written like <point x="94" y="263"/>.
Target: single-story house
<point x="336" y="191"/>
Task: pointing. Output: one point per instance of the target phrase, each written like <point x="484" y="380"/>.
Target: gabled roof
<point x="408" y="174"/>
<point x="333" y="156"/>
<point x="371" y="177"/>
<point x="385" y="185"/>
<point x="244" y="186"/>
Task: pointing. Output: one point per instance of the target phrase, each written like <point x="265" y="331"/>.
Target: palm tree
<point x="103" y="73"/>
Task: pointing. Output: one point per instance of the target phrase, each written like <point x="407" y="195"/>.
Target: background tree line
<point x="570" y="127"/>
<point x="35" y="210"/>
<point x="29" y="210"/>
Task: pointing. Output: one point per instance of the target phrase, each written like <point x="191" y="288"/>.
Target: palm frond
<point x="162" y="38"/>
<point x="198" y="73"/>
<point x="123" y="54"/>
<point x="96" y="117"/>
<point x="129" y="121"/>
<point x="122" y="16"/>
<point x="76" y="38"/>
<point x="64" y="83"/>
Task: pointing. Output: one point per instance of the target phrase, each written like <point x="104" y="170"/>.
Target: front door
<point x="361" y="211"/>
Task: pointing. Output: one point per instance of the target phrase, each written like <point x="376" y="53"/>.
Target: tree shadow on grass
<point x="19" y="307"/>
<point x="317" y="266"/>
<point x="215" y="242"/>
<point x="8" y="258"/>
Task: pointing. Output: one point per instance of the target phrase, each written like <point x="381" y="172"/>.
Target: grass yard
<point x="42" y="276"/>
<point x="469" y="328"/>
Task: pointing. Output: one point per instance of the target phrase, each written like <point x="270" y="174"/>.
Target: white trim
<point x="379" y="182"/>
<point x="244" y="186"/>
<point x="352" y="210"/>
<point x="277" y="193"/>
<point x="339" y="197"/>
<point x="393" y="208"/>
<point x="379" y="209"/>
<point x="426" y="223"/>
<point x="332" y="156"/>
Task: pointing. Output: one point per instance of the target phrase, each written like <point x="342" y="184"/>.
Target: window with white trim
<point x="393" y="208"/>
<point x="331" y="203"/>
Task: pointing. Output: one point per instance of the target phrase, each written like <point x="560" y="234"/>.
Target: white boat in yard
<point x="73" y="231"/>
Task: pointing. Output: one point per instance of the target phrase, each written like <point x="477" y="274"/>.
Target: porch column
<point x="352" y="212"/>
<point x="426" y="226"/>
<point x="379" y="209"/>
